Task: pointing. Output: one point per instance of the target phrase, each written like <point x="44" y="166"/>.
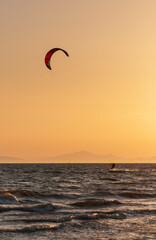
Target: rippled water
<point x="77" y="201"/>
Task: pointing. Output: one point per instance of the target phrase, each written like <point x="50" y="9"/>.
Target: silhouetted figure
<point x="113" y="166"/>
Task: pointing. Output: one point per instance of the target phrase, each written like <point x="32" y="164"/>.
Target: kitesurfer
<point x="113" y="166"/>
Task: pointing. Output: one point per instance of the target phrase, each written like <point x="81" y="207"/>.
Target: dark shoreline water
<point x="77" y="201"/>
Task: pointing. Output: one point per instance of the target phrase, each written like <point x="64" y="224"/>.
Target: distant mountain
<point x="7" y="159"/>
<point x="88" y="157"/>
<point x="79" y="157"/>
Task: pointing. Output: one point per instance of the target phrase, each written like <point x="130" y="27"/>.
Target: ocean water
<point x="77" y="201"/>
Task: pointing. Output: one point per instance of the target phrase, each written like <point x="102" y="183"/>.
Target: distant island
<point x="78" y="157"/>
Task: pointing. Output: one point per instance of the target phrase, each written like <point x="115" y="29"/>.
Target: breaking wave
<point x="47" y="207"/>
<point x="8" y="198"/>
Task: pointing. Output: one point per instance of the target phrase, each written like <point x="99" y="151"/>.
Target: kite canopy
<point x="49" y="55"/>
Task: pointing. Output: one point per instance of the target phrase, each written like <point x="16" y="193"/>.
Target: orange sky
<point x="101" y="99"/>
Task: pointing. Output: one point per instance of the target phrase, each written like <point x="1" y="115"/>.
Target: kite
<point x="49" y="55"/>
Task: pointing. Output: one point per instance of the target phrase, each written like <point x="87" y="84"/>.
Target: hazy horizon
<point x="102" y="98"/>
<point x="78" y="157"/>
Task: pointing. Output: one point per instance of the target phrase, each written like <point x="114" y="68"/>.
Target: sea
<point x="77" y="201"/>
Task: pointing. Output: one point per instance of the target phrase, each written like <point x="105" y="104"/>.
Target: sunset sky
<point x="101" y="99"/>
